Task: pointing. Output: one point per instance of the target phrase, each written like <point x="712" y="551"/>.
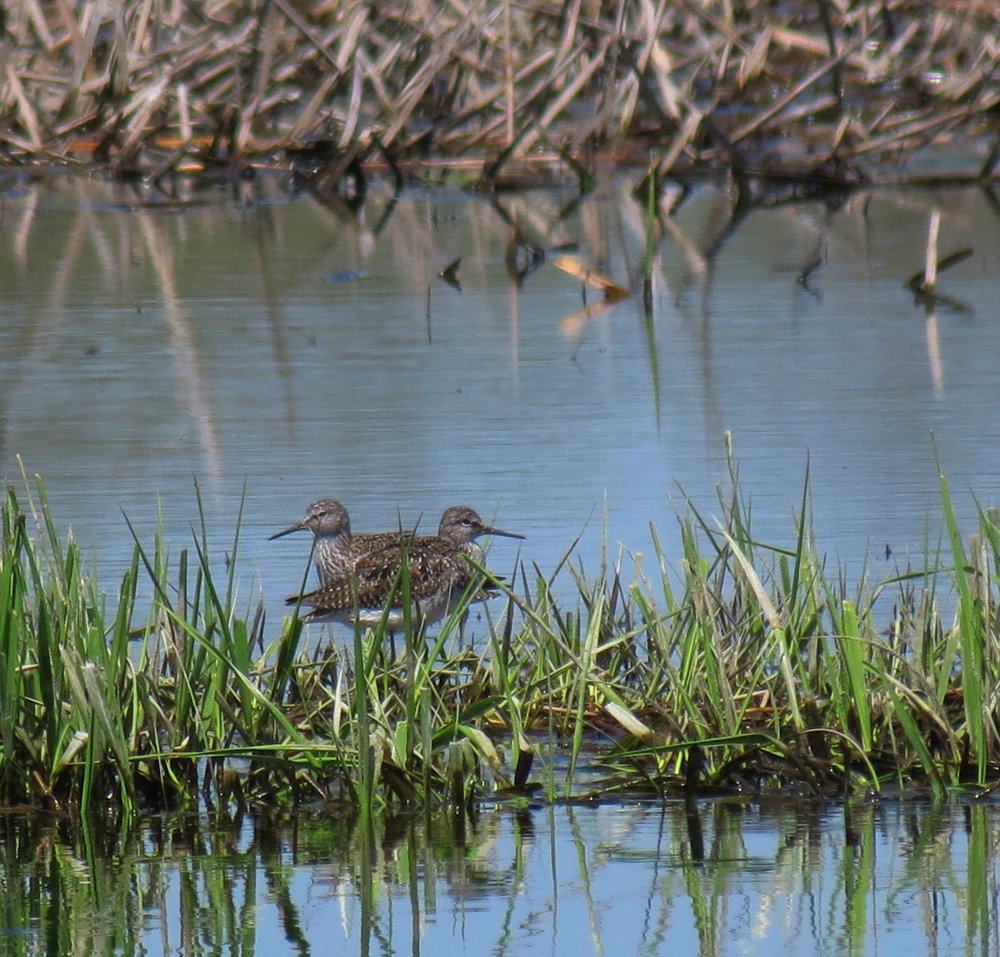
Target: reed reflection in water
<point x="778" y="876"/>
<point x="255" y="338"/>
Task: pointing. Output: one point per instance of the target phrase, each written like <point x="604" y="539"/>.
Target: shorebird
<point x="337" y="551"/>
<point x="439" y="572"/>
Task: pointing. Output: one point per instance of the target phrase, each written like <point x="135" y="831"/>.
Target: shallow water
<point x="261" y="341"/>
<point x="784" y="876"/>
<point x="258" y="340"/>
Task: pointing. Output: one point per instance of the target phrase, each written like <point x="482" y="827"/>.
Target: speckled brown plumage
<point x="439" y="571"/>
<point x="337" y="550"/>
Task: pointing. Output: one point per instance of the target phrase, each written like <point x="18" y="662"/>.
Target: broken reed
<point x="751" y="658"/>
<point x="158" y="87"/>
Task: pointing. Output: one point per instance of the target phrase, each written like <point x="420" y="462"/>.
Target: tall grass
<point x="745" y="654"/>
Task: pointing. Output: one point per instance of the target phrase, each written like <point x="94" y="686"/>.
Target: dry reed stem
<point x="679" y="144"/>
<point x="792" y="94"/>
<point x="930" y="256"/>
<point x="28" y="115"/>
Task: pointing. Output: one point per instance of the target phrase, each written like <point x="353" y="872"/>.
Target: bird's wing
<point x="431" y="566"/>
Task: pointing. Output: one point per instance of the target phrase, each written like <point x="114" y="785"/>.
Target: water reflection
<point x="144" y="344"/>
<point x="778" y="876"/>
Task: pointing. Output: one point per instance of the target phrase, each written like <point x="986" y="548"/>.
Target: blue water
<point x="142" y="351"/>
<point x="778" y="876"/>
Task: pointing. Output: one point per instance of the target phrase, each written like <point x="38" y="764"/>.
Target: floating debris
<point x="612" y="291"/>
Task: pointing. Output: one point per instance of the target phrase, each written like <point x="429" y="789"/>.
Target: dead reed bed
<point x="831" y="93"/>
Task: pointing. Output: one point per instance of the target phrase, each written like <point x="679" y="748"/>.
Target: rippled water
<point x="260" y="340"/>
<point x="775" y="877"/>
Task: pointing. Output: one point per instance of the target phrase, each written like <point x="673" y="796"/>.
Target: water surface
<point x="785" y="876"/>
<point x="259" y="340"/>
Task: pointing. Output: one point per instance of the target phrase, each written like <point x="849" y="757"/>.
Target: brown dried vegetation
<point x="835" y="92"/>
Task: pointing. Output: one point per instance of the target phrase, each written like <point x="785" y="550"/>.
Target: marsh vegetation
<point x="748" y="667"/>
<point x="816" y="95"/>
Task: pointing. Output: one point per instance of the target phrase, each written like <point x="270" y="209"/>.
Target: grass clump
<point x="744" y="668"/>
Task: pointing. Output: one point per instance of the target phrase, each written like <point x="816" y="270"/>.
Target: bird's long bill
<point x="490" y="530"/>
<point x="297" y="527"/>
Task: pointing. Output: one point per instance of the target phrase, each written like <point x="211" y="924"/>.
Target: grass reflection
<point x="586" y="879"/>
